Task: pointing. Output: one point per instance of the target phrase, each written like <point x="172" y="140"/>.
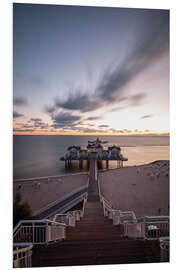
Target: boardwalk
<point x="95" y="240"/>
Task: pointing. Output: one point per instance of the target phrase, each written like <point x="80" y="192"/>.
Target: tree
<point x="20" y="210"/>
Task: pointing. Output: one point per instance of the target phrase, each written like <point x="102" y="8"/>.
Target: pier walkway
<point x="94" y="240"/>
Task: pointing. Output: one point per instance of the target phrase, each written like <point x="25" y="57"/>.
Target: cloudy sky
<point x="87" y="70"/>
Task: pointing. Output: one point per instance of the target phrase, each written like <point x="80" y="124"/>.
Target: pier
<point x="75" y="153"/>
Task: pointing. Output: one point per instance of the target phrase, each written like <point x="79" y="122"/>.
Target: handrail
<point x="28" y="221"/>
<point x="156" y="217"/>
<point x="39" y="211"/>
<point x="22" y="255"/>
<point x="69" y="205"/>
<point x="107" y="205"/>
<point x="35" y="221"/>
<point x="23" y="249"/>
<point x="57" y="223"/>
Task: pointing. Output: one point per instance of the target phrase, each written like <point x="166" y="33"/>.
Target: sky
<point x="90" y="70"/>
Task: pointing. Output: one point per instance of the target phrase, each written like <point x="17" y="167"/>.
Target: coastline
<point x="127" y="188"/>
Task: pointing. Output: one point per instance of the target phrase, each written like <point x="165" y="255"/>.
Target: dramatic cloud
<point x="152" y="39"/>
<point x="147" y="116"/>
<point x="20" y="101"/>
<point x="63" y="119"/>
<point x="16" y="114"/>
<point x="94" y="118"/>
<point x="35" y="124"/>
<point x="23" y="130"/>
<point x="104" y="126"/>
<point x="27" y="126"/>
<point x="36" y="119"/>
<point x="116" y="109"/>
<point x="72" y="103"/>
<point x="88" y="130"/>
<point x="40" y="125"/>
<point x="50" y="109"/>
<point x="152" y="44"/>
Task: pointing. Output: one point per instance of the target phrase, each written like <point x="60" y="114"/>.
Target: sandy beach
<point x="38" y="193"/>
<point x="143" y="189"/>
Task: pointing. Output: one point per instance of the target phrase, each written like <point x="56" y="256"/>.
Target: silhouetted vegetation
<point x="20" y="210"/>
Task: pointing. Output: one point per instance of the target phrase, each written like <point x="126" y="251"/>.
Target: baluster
<point x="33" y="233"/>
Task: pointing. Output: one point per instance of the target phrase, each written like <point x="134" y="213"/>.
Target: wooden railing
<point x="156" y="227"/>
<point x="146" y="227"/>
<point x="164" y="249"/>
<point x="43" y="231"/>
<point x="69" y="218"/>
<point x="118" y="216"/>
<point x="22" y="255"/>
<point x="38" y="231"/>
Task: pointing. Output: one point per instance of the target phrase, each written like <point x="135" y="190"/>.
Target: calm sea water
<point x="36" y="156"/>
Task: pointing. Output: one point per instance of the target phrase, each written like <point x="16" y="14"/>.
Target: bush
<point x="20" y="210"/>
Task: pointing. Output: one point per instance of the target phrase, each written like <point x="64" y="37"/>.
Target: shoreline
<point x="82" y="172"/>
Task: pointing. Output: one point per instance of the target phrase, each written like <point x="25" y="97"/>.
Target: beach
<point x="143" y="189"/>
<point x="39" y="193"/>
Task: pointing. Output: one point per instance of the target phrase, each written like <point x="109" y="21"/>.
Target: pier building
<point x="111" y="153"/>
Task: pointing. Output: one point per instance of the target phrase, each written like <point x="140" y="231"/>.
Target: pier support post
<point x="80" y="164"/>
<point x="88" y="163"/>
<point x="99" y="162"/>
<point x="107" y="163"/>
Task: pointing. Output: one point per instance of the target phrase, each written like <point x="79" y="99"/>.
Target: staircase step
<point x="93" y="253"/>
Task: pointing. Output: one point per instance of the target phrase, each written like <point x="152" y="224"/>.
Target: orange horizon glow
<point x="94" y="133"/>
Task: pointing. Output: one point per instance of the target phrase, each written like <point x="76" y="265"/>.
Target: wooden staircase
<point x="95" y="240"/>
<point x="95" y="252"/>
<point x="94" y="226"/>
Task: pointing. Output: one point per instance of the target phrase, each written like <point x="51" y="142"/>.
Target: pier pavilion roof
<point x="114" y="147"/>
<point x="74" y="147"/>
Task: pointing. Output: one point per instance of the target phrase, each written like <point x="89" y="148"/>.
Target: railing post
<point x="48" y="228"/>
<point x="104" y="208"/>
<point x="33" y="233"/>
<point x="143" y="230"/>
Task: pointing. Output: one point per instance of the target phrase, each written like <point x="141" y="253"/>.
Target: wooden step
<point x="94" y="252"/>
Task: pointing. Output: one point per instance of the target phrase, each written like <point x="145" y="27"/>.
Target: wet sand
<point x="143" y="189"/>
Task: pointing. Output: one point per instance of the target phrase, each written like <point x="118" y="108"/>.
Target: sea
<point x="39" y="155"/>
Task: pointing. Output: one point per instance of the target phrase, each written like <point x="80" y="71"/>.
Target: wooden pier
<point x="75" y="153"/>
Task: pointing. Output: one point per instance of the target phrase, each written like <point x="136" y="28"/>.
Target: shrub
<point x="20" y="210"/>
